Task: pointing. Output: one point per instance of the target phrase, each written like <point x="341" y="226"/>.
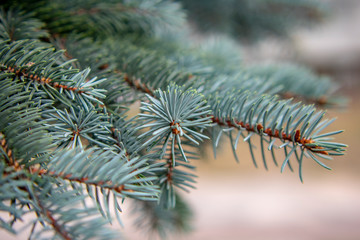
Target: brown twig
<point x="58" y="228"/>
<point x="138" y="85"/>
<point x="170" y="167"/>
<point x="84" y="180"/>
<point x="41" y="80"/>
<point x="276" y="134"/>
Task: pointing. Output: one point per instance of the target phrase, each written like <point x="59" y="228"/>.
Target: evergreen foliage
<point x="253" y="18"/>
<point x="70" y="71"/>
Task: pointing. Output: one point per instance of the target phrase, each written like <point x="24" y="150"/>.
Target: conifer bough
<point x="69" y="71"/>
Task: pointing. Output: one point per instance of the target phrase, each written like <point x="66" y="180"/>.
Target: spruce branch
<point x="149" y="70"/>
<point x="179" y="176"/>
<point x="64" y="135"/>
<point x="228" y="110"/>
<point x="251" y="21"/>
<point x="176" y="121"/>
<point x="297" y="82"/>
<point x="175" y="114"/>
<point x="114" y="172"/>
<point x="109" y="18"/>
<point x="144" y="14"/>
<point x="17" y="25"/>
<point x="14" y="197"/>
<point x="85" y="53"/>
<point x="82" y="127"/>
<point x="38" y="65"/>
<point x="143" y="73"/>
<point x="86" y="120"/>
<point x="263" y="116"/>
<point x="58" y="211"/>
<point x="23" y="137"/>
<point x="56" y="207"/>
<point x="295" y="126"/>
<point x="53" y="222"/>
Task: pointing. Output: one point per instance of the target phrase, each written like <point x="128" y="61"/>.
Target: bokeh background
<point x="237" y="201"/>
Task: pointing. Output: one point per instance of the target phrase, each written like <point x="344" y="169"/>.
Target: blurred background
<point x="237" y="201"/>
